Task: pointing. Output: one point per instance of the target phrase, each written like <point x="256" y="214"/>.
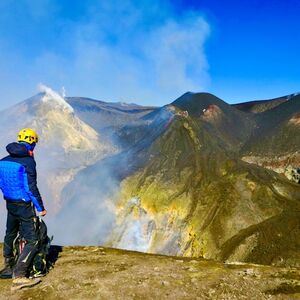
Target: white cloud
<point x="122" y="51"/>
<point x="177" y="54"/>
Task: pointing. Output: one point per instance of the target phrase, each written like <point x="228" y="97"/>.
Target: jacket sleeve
<point x="32" y="184"/>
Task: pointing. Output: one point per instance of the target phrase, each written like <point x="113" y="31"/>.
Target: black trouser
<point x="21" y="217"/>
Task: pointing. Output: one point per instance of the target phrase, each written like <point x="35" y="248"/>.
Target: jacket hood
<point x="17" y="149"/>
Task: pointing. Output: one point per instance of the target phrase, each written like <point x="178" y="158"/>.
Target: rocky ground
<point x="103" y="273"/>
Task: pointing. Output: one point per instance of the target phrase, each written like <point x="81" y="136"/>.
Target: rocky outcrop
<point x="286" y="165"/>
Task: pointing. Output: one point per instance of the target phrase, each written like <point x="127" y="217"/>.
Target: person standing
<point x="18" y="182"/>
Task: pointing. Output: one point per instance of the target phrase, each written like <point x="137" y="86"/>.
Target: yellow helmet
<point x="28" y="135"/>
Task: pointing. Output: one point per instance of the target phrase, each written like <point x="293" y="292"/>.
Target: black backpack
<point x="40" y="263"/>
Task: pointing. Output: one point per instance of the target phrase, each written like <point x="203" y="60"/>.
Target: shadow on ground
<point x="53" y="254"/>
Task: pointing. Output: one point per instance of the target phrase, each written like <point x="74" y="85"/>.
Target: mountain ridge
<point x="180" y="179"/>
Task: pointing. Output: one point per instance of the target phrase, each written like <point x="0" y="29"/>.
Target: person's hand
<point x="43" y="213"/>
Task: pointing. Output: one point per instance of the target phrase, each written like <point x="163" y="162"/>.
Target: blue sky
<point x="149" y="52"/>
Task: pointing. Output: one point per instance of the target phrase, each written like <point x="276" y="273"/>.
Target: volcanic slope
<point x="74" y="134"/>
<point x="277" y="130"/>
<point x="67" y="144"/>
<point x="228" y="124"/>
<point x="275" y="142"/>
<point x="105" y="117"/>
<point x="192" y="195"/>
<point x="99" y="183"/>
<point x="259" y="106"/>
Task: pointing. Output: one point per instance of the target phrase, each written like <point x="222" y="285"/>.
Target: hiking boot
<point x="6" y="273"/>
<point x="23" y="282"/>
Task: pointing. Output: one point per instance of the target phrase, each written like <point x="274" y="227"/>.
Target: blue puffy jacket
<point x="18" y="176"/>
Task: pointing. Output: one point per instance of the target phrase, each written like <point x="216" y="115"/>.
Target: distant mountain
<point x="260" y="106"/>
<point x="194" y="177"/>
<point x="218" y="117"/>
<point x="74" y="133"/>
<point x="67" y="144"/>
<point x="275" y="140"/>
<point x="103" y="116"/>
<point x="276" y="129"/>
<point x="193" y="196"/>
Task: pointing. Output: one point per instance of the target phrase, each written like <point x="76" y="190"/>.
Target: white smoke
<point x="54" y="98"/>
<point x="134" y="51"/>
<point x="67" y="145"/>
<point x="88" y="211"/>
<point x="136" y="228"/>
<point x="63" y="92"/>
<point x="164" y="62"/>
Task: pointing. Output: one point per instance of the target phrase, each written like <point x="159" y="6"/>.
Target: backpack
<point x="40" y="263"/>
